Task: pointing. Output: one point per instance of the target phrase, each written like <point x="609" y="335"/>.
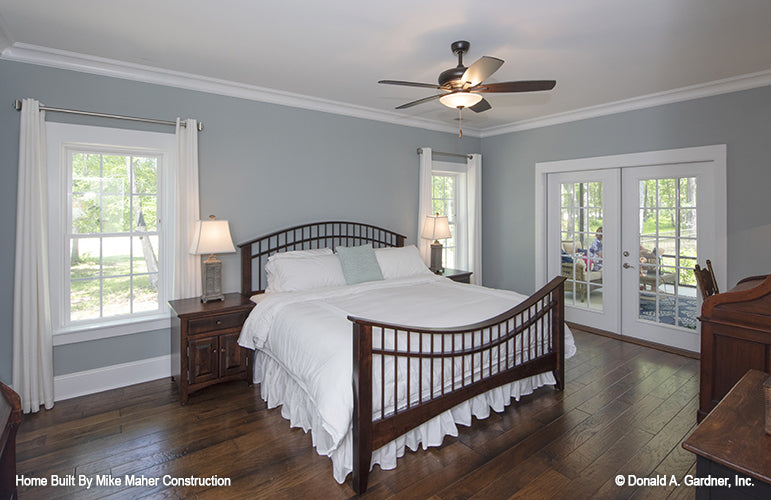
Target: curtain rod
<point x="17" y="107"/>
<point x="457" y="155"/>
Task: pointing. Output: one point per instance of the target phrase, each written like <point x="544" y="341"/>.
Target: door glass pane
<point x="581" y="214"/>
<point x="667" y="239"/>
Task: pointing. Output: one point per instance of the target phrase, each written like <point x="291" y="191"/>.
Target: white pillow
<point x="401" y="262"/>
<point x="297" y="273"/>
<point x="300" y="253"/>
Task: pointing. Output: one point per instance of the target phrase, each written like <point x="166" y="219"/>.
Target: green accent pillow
<point x="359" y="264"/>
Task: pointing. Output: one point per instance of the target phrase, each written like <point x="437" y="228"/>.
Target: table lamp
<point x="436" y="227"/>
<point x="210" y="237"/>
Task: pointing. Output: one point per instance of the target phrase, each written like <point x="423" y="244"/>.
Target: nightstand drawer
<point x="218" y="322"/>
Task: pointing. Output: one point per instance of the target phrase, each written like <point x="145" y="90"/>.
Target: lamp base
<point x="211" y="279"/>
<point x="436" y="258"/>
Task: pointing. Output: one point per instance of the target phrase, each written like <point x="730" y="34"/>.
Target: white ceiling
<point x="334" y="52"/>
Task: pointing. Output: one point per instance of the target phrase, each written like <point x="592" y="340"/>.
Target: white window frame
<point x="61" y="137"/>
<point x="459" y="171"/>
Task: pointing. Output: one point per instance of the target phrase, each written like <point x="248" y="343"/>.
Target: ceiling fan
<point x="461" y="86"/>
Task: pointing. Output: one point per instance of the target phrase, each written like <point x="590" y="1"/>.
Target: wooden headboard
<point x="255" y="253"/>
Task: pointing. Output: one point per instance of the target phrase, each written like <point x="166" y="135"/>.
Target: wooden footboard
<point x="433" y="370"/>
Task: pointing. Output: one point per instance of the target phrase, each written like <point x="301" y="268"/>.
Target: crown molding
<point x="45" y="56"/>
<point x="725" y="86"/>
<point x="62" y="59"/>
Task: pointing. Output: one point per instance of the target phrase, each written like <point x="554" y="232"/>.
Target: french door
<point x="668" y="228"/>
<point x="586" y="210"/>
<point x="627" y="238"/>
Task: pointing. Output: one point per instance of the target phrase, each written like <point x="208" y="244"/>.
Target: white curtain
<point x="424" y="202"/>
<point x="32" y="342"/>
<point x="187" y="267"/>
<point x="474" y="216"/>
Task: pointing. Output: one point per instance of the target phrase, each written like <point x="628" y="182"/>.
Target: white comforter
<point x="304" y="360"/>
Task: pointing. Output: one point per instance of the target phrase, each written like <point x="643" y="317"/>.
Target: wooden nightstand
<point x="204" y="342"/>
<point x="457" y="275"/>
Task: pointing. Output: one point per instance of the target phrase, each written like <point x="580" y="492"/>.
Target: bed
<point x="374" y="366"/>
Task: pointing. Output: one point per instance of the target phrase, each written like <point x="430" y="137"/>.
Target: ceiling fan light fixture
<point x="460" y="99"/>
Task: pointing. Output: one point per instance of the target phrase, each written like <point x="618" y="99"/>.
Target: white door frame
<point x="716" y="155"/>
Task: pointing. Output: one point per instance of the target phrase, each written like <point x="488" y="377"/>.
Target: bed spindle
<point x="420" y="369"/>
<point x="396" y="371"/>
<point x="409" y="365"/>
<point x="443" y="359"/>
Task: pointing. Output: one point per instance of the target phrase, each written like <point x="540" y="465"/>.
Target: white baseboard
<point x="77" y="384"/>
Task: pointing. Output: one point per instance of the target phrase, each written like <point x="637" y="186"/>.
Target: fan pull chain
<point x="460" y="122"/>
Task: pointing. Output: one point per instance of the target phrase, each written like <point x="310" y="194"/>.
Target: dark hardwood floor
<point x="625" y="410"/>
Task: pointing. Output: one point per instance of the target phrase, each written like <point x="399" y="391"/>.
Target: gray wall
<point x="262" y="167"/>
<point x="741" y="120"/>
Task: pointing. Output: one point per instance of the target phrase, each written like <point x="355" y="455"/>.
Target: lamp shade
<point x="212" y="236"/>
<point x="436" y="227"/>
<point x="460" y="99"/>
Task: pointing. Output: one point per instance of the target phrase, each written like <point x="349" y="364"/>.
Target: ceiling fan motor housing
<point x="453" y="74"/>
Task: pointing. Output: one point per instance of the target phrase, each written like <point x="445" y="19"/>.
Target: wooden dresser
<point x="731" y="443"/>
<point x="735" y="337"/>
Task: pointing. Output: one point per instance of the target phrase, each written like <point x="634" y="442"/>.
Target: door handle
<point x="627" y="265"/>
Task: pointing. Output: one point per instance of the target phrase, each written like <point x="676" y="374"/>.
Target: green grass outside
<point x="115" y="285"/>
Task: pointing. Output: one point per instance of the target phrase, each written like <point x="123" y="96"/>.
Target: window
<point x="444" y="201"/>
<point x="109" y="252"/>
<point x="448" y="197"/>
<point x="113" y="233"/>
<point x="455" y="190"/>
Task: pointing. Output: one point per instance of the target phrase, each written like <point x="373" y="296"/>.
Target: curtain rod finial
<point x="17" y="105"/>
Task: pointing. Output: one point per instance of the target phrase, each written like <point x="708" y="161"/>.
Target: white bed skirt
<point x="278" y="388"/>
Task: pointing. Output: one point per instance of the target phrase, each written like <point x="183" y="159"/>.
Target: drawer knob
<point x="219" y="321"/>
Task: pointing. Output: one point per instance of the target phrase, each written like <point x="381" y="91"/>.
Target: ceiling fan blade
<point x="523" y="86"/>
<point x="482" y="105"/>
<point x="480" y="70"/>
<point x="419" y="101"/>
<point x="410" y="84"/>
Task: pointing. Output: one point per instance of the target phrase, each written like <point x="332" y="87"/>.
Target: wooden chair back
<point x="10" y="417"/>
<point x="705" y="277"/>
